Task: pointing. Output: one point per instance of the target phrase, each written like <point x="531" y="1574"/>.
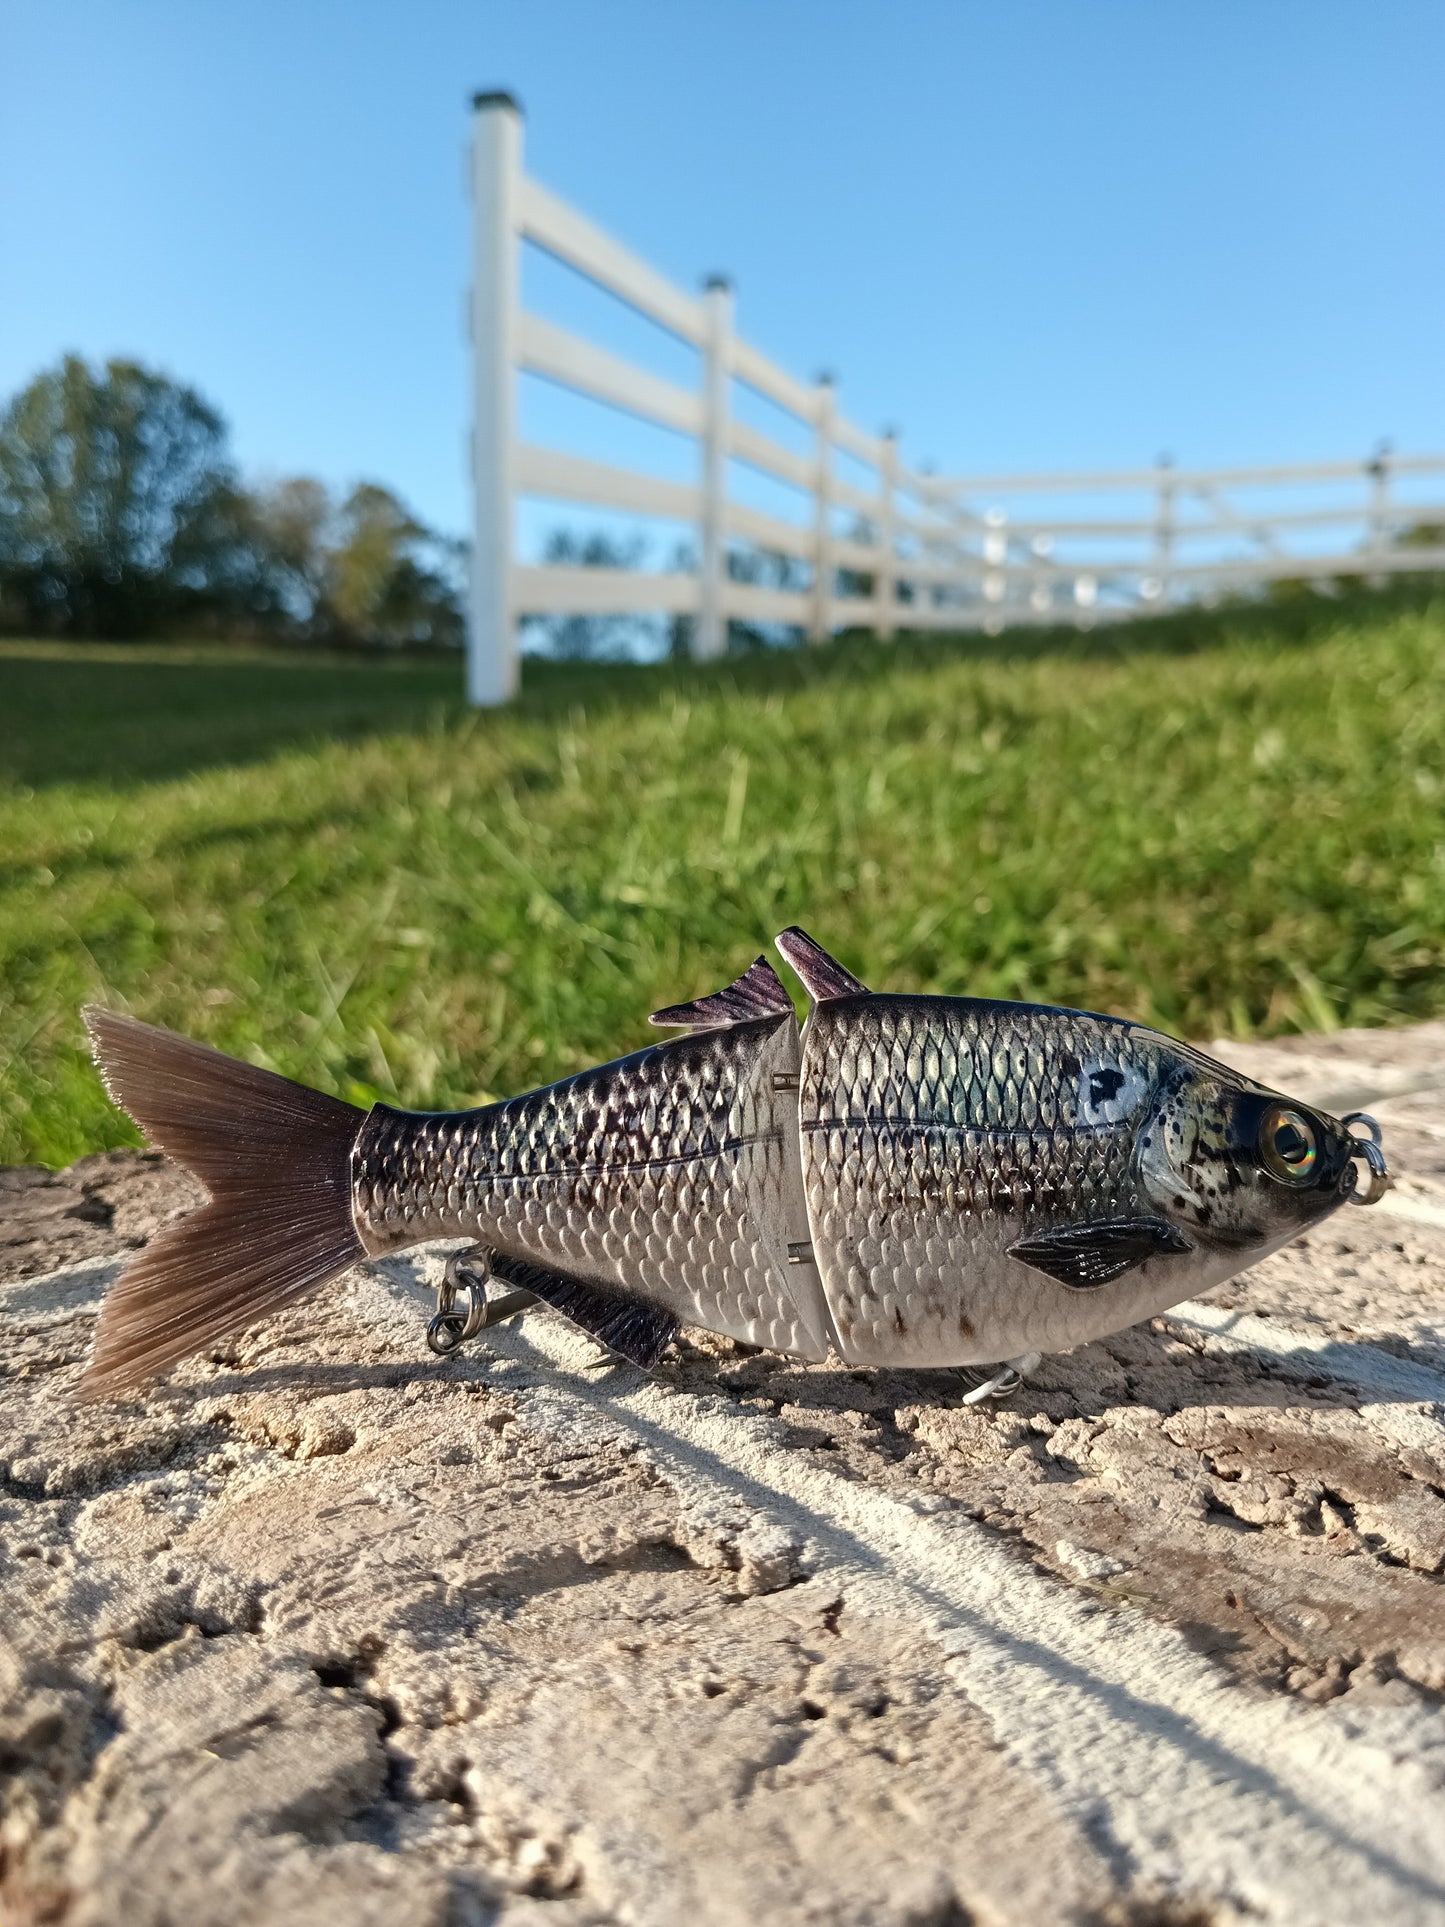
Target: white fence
<point x="911" y="550"/>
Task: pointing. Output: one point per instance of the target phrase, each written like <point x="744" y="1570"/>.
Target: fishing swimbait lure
<point x="911" y="1181"/>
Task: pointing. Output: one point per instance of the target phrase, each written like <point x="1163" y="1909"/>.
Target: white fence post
<point x="995" y="555"/>
<point x="1163" y="527"/>
<point x="1378" y="470"/>
<point x="822" y="609"/>
<point x="885" y="621"/>
<point x="921" y="598"/>
<point x="1041" y="588"/>
<point x="496" y="177"/>
<point x="712" y="623"/>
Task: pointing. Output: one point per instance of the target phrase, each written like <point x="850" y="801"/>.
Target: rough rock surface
<point x="328" y="1630"/>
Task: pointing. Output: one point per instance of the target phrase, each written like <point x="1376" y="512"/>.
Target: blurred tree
<point x="681" y="629"/>
<point x="1422" y="535"/>
<point x="579" y="638"/>
<point x="291" y="529"/>
<point x="766" y="569"/>
<point x="389" y="580"/>
<point x="117" y="500"/>
<point x="859" y="582"/>
<point x="120" y="514"/>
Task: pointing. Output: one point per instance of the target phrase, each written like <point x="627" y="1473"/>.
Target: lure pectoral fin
<point x="1087" y="1255"/>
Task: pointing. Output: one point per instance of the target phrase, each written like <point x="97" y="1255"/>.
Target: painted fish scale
<point x="936" y="1133"/>
<point x="673" y="1175"/>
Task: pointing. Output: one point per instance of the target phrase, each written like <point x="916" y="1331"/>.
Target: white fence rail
<point x="913" y="550"/>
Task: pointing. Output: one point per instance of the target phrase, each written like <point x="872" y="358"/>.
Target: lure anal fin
<point x="759" y="992"/>
<point x="1084" y="1256"/>
<point x="640" y="1332"/>
<point x="823" y="976"/>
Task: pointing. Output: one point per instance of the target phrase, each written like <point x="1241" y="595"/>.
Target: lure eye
<point x="1288" y="1145"/>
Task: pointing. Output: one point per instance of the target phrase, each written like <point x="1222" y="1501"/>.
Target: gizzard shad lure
<point x="909" y="1181"/>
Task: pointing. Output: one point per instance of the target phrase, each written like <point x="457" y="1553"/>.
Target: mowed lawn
<point x="1225" y="823"/>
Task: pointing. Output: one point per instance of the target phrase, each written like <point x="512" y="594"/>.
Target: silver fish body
<point x="910" y="1181"/>
<point x="864" y="1189"/>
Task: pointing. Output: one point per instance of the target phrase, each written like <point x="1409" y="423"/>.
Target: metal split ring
<point x="1368" y="1144"/>
<point x="450" y="1328"/>
<point x="471" y="1271"/>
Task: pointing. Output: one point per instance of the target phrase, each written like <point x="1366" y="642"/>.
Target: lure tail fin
<point x="276" y="1159"/>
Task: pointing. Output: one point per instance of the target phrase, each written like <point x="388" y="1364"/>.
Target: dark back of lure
<point x="910" y="1181"/>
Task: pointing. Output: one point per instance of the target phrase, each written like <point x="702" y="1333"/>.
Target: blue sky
<point x="1051" y="234"/>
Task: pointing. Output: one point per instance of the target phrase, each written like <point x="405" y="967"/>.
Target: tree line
<point x="122" y="514"/>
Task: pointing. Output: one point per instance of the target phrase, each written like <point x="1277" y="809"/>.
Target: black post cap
<point x="497" y="97"/>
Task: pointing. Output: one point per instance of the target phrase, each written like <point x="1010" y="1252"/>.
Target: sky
<point x="1043" y="235"/>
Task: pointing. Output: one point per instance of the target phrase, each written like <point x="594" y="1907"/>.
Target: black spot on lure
<point x="908" y="1181"/>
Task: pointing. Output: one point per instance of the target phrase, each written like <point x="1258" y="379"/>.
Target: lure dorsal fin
<point x="759" y="992"/>
<point x="1084" y="1256"/>
<point x="637" y="1330"/>
<point x="823" y="976"/>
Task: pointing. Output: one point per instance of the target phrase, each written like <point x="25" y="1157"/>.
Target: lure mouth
<point x="1364" y="1148"/>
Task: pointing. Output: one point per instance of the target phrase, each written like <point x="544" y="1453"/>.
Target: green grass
<point x="1221" y="823"/>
